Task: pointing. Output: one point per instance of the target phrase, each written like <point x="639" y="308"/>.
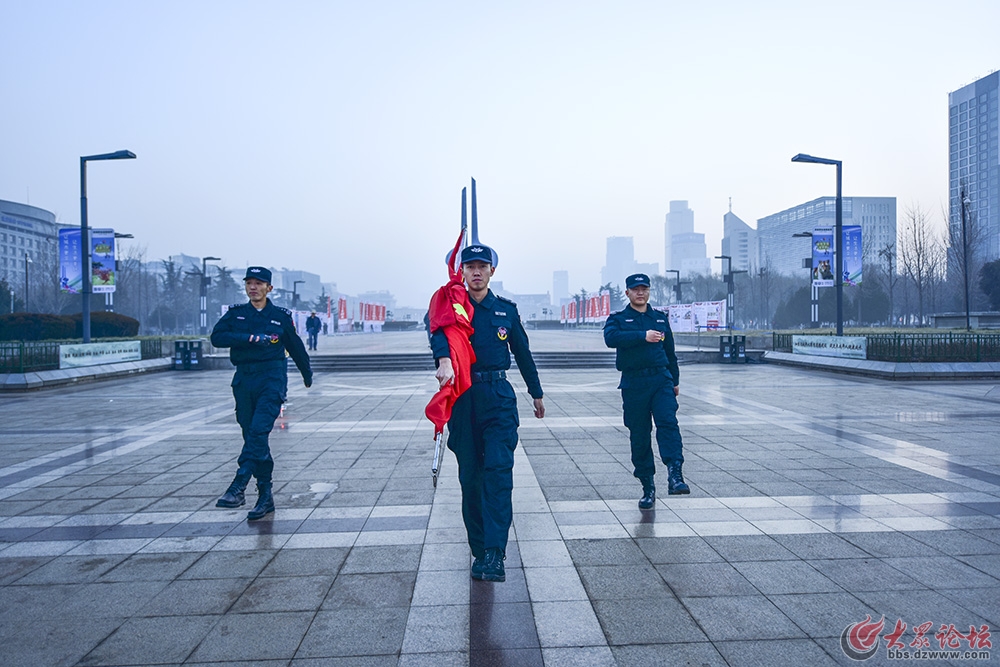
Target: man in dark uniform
<point x="650" y="384"/>
<point x="313" y="325"/>
<point x="257" y="334"/>
<point x="482" y="430"/>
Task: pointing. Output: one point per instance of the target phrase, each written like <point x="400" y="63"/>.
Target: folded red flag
<point x="450" y="310"/>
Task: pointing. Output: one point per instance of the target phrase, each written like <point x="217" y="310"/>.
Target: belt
<point x="488" y="376"/>
<point x="656" y="370"/>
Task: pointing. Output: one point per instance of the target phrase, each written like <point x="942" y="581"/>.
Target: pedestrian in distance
<point x="313" y="325"/>
<point x="257" y="334"/>
<point x="650" y="384"/>
<point x="482" y="431"/>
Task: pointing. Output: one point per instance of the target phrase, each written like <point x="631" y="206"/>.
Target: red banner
<point x="342" y="309"/>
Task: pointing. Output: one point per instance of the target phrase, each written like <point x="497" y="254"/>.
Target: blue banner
<point x="852" y="255"/>
<point x="70" y="269"/>
<point x="822" y="244"/>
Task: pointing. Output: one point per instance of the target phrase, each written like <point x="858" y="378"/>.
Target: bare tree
<point x="920" y="253"/>
<point x="890" y="276"/>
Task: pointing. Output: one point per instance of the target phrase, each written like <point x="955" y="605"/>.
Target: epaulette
<point x="284" y="310"/>
<point x="238" y="305"/>
<point x="506" y="300"/>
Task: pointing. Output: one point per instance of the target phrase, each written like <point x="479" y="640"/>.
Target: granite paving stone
<point x="795" y="528"/>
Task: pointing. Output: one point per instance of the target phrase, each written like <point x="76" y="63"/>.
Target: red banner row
<point x="591" y="309"/>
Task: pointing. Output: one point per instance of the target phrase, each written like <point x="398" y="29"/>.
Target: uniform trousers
<point x="648" y="400"/>
<point x="259" y="390"/>
<point x="483" y="435"/>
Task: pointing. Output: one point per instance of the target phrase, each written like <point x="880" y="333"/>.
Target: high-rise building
<point x="560" y="286"/>
<point x="739" y="241"/>
<point x="780" y="252"/>
<point x="684" y="250"/>
<point x="619" y="261"/>
<point x="974" y="163"/>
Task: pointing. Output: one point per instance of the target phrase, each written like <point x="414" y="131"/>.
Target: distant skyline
<point x="335" y="137"/>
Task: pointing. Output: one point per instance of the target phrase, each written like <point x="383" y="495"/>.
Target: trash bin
<point x="182" y="355"/>
<point x="738" y="352"/>
<point x="726" y="348"/>
<point x="196" y="349"/>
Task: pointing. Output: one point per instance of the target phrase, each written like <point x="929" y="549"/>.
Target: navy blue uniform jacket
<point x="497" y="332"/>
<point x="626" y="332"/>
<point x="275" y="327"/>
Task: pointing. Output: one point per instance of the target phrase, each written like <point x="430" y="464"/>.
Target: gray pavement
<point x="817" y="501"/>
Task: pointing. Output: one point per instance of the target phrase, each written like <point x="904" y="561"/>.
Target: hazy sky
<point x="336" y="137"/>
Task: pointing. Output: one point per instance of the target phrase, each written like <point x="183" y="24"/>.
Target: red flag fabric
<point x="450" y="310"/>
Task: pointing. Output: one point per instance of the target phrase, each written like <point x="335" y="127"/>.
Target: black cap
<point x="636" y="279"/>
<point x="479" y="252"/>
<point x="258" y="272"/>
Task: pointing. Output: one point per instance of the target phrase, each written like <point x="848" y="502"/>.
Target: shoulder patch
<point x="238" y="305"/>
<point x="284" y="310"/>
<point x="505" y="300"/>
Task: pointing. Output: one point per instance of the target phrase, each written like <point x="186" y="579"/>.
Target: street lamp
<point x="965" y="257"/>
<point x="677" y="286"/>
<point x="837" y="235"/>
<point x="807" y="263"/>
<point x="204" y="292"/>
<point x="295" y="295"/>
<point x="85" y="235"/>
<point x="730" y="302"/>
<point x="27" y="260"/>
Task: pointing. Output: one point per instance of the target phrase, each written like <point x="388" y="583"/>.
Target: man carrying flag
<point x="484" y="421"/>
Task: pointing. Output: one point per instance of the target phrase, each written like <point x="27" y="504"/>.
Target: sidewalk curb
<point x="985" y="370"/>
<point x="12" y="382"/>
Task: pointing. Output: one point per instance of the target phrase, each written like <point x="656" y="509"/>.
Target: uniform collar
<point x="648" y="309"/>
<point x="487" y="301"/>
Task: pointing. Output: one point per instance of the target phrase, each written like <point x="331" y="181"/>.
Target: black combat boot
<point x="265" y="502"/>
<point x="478" y="565"/>
<point x="233" y="497"/>
<point x="648" y="494"/>
<point x="493" y="565"/>
<point x="675" y="480"/>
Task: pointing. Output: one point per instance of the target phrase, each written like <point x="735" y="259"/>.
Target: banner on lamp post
<point x="852" y="255"/>
<point x="822" y="257"/>
<point x="102" y="260"/>
<point x="70" y="261"/>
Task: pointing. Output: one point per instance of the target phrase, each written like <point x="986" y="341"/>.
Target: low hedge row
<point x="41" y="326"/>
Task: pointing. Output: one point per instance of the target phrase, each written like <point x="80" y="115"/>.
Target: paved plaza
<point x="818" y="501"/>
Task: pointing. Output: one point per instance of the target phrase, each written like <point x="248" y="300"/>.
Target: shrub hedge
<point x="40" y="326"/>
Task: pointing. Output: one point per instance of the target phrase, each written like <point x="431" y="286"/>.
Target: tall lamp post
<point x="807" y="263"/>
<point x="203" y="292"/>
<point x="965" y="257"/>
<point x="677" y="285"/>
<point x="838" y="234"/>
<point x="295" y="294"/>
<point x="85" y="235"/>
<point x="730" y="300"/>
<point x="27" y="260"/>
